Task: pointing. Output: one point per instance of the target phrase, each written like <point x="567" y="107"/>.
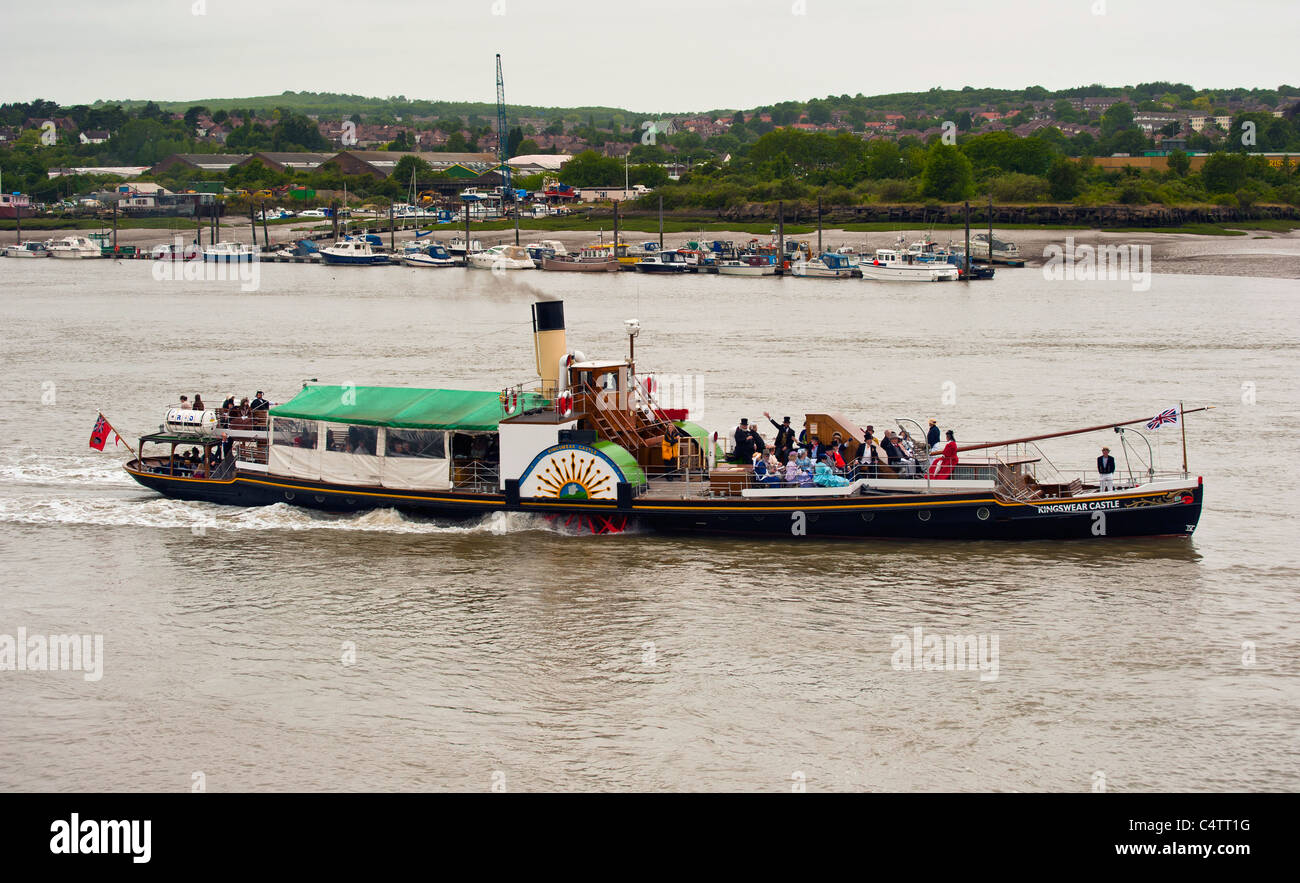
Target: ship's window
<point x="293" y="433"/>
<point x="416" y="443"/>
<point x="352" y="439"/>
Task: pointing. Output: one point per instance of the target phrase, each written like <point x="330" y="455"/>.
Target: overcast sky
<point x="647" y="56"/>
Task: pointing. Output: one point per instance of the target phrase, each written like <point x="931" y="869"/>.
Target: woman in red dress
<point x="943" y="465"/>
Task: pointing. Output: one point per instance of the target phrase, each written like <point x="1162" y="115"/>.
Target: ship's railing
<point x="234" y="418"/>
<point x="249" y="452"/>
<point x="476" y="475"/>
<point x="528" y="397"/>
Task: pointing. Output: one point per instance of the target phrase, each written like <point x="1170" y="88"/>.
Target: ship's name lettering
<point x="1079" y="507"/>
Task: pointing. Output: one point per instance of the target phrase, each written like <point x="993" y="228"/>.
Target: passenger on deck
<point x="198" y="403"/>
<point x="837" y="444"/>
<point x="825" y="475"/>
<point x="229" y="402"/>
<point x="244" y="409"/>
<point x="743" y="451"/>
<point x="908" y="452"/>
<point x="816" y="449"/>
<point x="932" y="437"/>
<point x="670" y="448"/>
<point x="1106" y="471"/>
<point x="761" y="474"/>
<point x="836" y="458"/>
<point x="185" y="403"/>
<point x="892" y="454"/>
<point x="756" y="441"/>
<point x="943" y="466"/>
<point x="784" y="436"/>
<point x="792" y="474"/>
<point x="870" y="460"/>
<point x="259" y="403"/>
<point x="773" y="462"/>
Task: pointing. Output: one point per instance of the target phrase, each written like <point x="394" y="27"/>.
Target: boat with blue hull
<point x="356" y="252"/>
<point x="588" y="442"/>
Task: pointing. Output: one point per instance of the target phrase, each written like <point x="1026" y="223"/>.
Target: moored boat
<point x="827" y="265"/>
<point x="748" y="265"/>
<point x="585" y="442"/>
<point x="1002" y="251"/>
<point x="592" y="259"/>
<point x="502" y="257"/>
<point x="223" y="252"/>
<point x="74" y="247"/>
<point x="434" y="255"/>
<point x="30" y="249"/>
<point x="354" y="252"/>
<point x="888" y="265"/>
<point x="662" y="262"/>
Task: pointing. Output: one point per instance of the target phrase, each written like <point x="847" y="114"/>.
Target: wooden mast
<point x="1031" y="438"/>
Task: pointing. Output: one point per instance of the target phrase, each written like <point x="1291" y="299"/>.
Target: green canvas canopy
<point x="401" y="407"/>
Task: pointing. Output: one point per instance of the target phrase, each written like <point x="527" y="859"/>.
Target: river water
<point x="274" y="649"/>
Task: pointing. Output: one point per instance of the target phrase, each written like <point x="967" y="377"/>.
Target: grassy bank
<point x="180" y="224"/>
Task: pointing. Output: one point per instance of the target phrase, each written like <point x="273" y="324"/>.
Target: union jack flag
<point x="1169" y="416"/>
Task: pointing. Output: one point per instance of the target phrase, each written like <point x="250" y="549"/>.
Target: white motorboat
<point x="889" y="265"/>
<point x="503" y="257"/>
<point x="74" y="247"/>
<point x="27" y="250"/>
<point x="435" y="255"/>
<point x="176" y="252"/>
<point x="1003" y="252"/>
<point x="457" y="247"/>
<point x="229" y="251"/>
<point x="554" y="246"/>
<point x="827" y="265"/>
<point x="748" y="265"/>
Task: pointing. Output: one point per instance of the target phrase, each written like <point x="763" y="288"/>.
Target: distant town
<point x="1155" y="143"/>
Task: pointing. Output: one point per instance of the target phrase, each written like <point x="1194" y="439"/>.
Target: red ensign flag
<point x="99" y="435"/>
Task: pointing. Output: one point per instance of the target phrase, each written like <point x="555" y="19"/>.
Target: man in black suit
<point x="1106" y="470"/>
<point x="932" y="437"/>
<point x="784" y="437"/>
<point x="259" y="403"/>
<point x="743" y="452"/>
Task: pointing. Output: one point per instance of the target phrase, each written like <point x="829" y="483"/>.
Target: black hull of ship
<point x="964" y="516"/>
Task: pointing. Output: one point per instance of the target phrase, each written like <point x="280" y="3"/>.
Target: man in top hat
<point x="259" y="403"/>
<point x="784" y="437"/>
<point x="743" y="451"/>
<point x="1106" y="470"/>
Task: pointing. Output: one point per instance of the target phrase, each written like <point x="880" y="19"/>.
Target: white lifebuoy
<point x="565" y="404"/>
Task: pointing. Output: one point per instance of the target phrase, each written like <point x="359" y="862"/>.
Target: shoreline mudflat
<point x="1258" y="253"/>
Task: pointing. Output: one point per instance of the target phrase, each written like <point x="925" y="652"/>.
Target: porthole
<point x="923" y="515"/>
<point x="351" y="500"/>
<point x="288" y="495"/>
<point x="814" y="517"/>
<point x="982" y="513"/>
<point x="760" y="517"/>
<point x="868" y="516"/>
<point x="320" y="498"/>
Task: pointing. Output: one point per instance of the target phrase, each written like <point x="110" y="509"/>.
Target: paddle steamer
<point x="583" y="442"/>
